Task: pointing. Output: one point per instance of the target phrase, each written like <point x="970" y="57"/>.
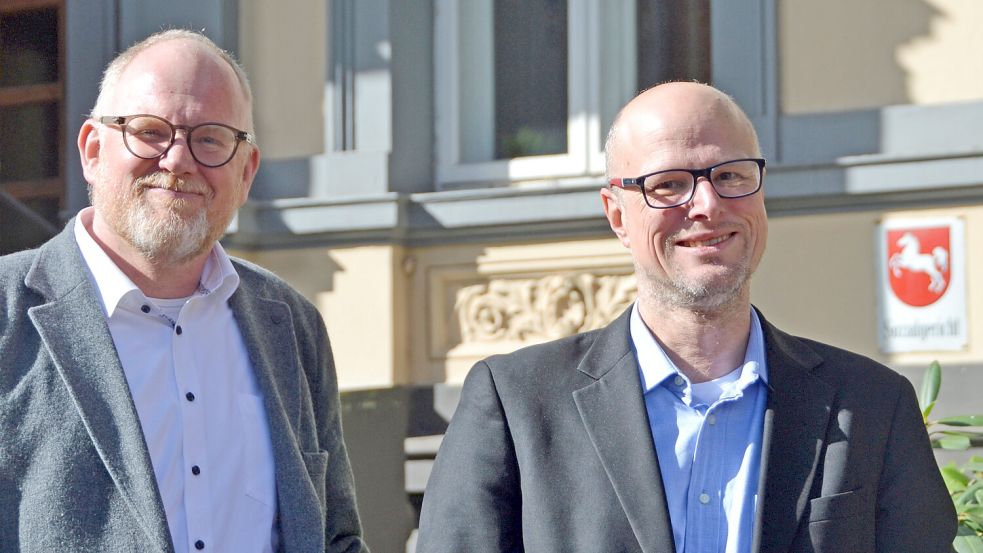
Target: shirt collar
<point x="219" y="278"/>
<point x="655" y="366"/>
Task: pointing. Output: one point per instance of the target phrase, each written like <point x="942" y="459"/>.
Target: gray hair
<point x="111" y="77"/>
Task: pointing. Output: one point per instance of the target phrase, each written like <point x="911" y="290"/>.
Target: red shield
<point x="918" y="264"/>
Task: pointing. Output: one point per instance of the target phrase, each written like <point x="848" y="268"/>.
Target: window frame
<point x="597" y="30"/>
<point x="44" y="93"/>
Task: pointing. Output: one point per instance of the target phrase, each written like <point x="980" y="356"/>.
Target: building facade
<point x="431" y="169"/>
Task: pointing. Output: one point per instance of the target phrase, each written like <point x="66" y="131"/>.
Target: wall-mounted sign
<point x="921" y="285"/>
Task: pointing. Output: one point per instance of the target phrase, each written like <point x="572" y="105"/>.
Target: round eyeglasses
<point x="149" y="137"/>
<point x="674" y="187"/>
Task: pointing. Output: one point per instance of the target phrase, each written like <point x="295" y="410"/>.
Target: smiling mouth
<point x="171" y="184"/>
<point x="178" y="192"/>
<point x="704" y="243"/>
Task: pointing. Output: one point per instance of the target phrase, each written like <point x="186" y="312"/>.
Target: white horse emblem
<point x="912" y="259"/>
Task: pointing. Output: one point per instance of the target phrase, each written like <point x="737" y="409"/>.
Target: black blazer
<point x="550" y="450"/>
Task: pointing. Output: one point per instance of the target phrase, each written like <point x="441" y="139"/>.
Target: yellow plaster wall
<point x="846" y="54"/>
<point x="359" y="292"/>
<point x="283" y="46"/>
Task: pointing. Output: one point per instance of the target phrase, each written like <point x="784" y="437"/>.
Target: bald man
<point x="689" y="424"/>
<point x="157" y="395"/>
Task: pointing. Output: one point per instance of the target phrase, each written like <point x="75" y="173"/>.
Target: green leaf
<point x="968" y="543"/>
<point x="954" y="442"/>
<point x="964" y="531"/>
<point x="974" y="523"/>
<point x="962" y="420"/>
<point x="975" y="512"/>
<point x="974" y="485"/>
<point x="972" y="526"/>
<point x="955" y="480"/>
<point x="966" y="433"/>
<point x="930" y="387"/>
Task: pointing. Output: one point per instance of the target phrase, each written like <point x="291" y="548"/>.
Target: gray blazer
<point x="550" y="450"/>
<point x="75" y="473"/>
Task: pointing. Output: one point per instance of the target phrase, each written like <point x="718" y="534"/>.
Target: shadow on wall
<point x="383" y="430"/>
<point x="832" y="61"/>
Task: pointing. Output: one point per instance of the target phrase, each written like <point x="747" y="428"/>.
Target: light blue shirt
<point x="708" y="439"/>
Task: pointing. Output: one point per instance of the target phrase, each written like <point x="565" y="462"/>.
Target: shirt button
<point x="189" y="396"/>
<point x="199" y="544"/>
<point x="145" y="308"/>
<point x="711" y="419"/>
<point x="704" y="498"/>
<point x="178" y="330"/>
<point x="679" y="380"/>
<point x="195" y="470"/>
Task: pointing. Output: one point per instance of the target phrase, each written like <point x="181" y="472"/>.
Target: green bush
<point x="965" y="483"/>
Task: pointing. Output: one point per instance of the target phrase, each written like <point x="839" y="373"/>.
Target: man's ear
<point x="90" y="146"/>
<point x="615" y="212"/>
<point x="249" y="170"/>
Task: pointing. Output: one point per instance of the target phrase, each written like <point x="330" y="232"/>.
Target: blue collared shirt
<point x="709" y="450"/>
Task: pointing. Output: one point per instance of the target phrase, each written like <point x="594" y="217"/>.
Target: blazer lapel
<point x="73" y="329"/>
<point x="795" y="424"/>
<point x="613" y="412"/>
<point x="267" y="330"/>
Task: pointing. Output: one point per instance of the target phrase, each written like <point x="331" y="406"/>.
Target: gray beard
<point x="162" y="239"/>
<point x="698" y="297"/>
<point x="170" y="239"/>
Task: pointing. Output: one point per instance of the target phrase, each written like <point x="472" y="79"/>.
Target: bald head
<point x="677" y="114"/>
<point x="189" y="45"/>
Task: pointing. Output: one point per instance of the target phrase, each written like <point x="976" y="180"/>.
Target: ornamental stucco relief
<point x="535" y="310"/>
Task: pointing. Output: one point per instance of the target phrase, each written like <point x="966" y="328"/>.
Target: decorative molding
<point x="535" y="310"/>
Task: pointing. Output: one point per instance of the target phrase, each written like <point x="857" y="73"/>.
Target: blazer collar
<point x="73" y="328"/>
<point x="795" y="424"/>
<point x="267" y="330"/>
<point x="613" y="412"/>
<point x="612" y="409"/>
<point x="58" y="267"/>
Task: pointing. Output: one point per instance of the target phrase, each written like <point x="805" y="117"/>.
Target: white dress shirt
<point x="200" y="408"/>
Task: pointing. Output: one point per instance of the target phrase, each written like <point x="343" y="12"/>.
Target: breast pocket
<point x="842" y="522"/>
<point x="260" y="471"/>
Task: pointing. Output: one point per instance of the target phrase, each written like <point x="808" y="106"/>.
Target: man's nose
<point x="705" y="201"/>
<point x="178" y="158"/>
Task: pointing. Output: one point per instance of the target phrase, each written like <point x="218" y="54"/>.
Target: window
<point x="31" y="97"/>
<point x="526" y="89"/>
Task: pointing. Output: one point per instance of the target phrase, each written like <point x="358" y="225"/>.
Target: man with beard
<point x="689" y="424"/>
<point x="155" y="394"/>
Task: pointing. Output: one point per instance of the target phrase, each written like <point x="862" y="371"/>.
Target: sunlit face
<point x="170" y="209"/>
<point x="699" y="255"/>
